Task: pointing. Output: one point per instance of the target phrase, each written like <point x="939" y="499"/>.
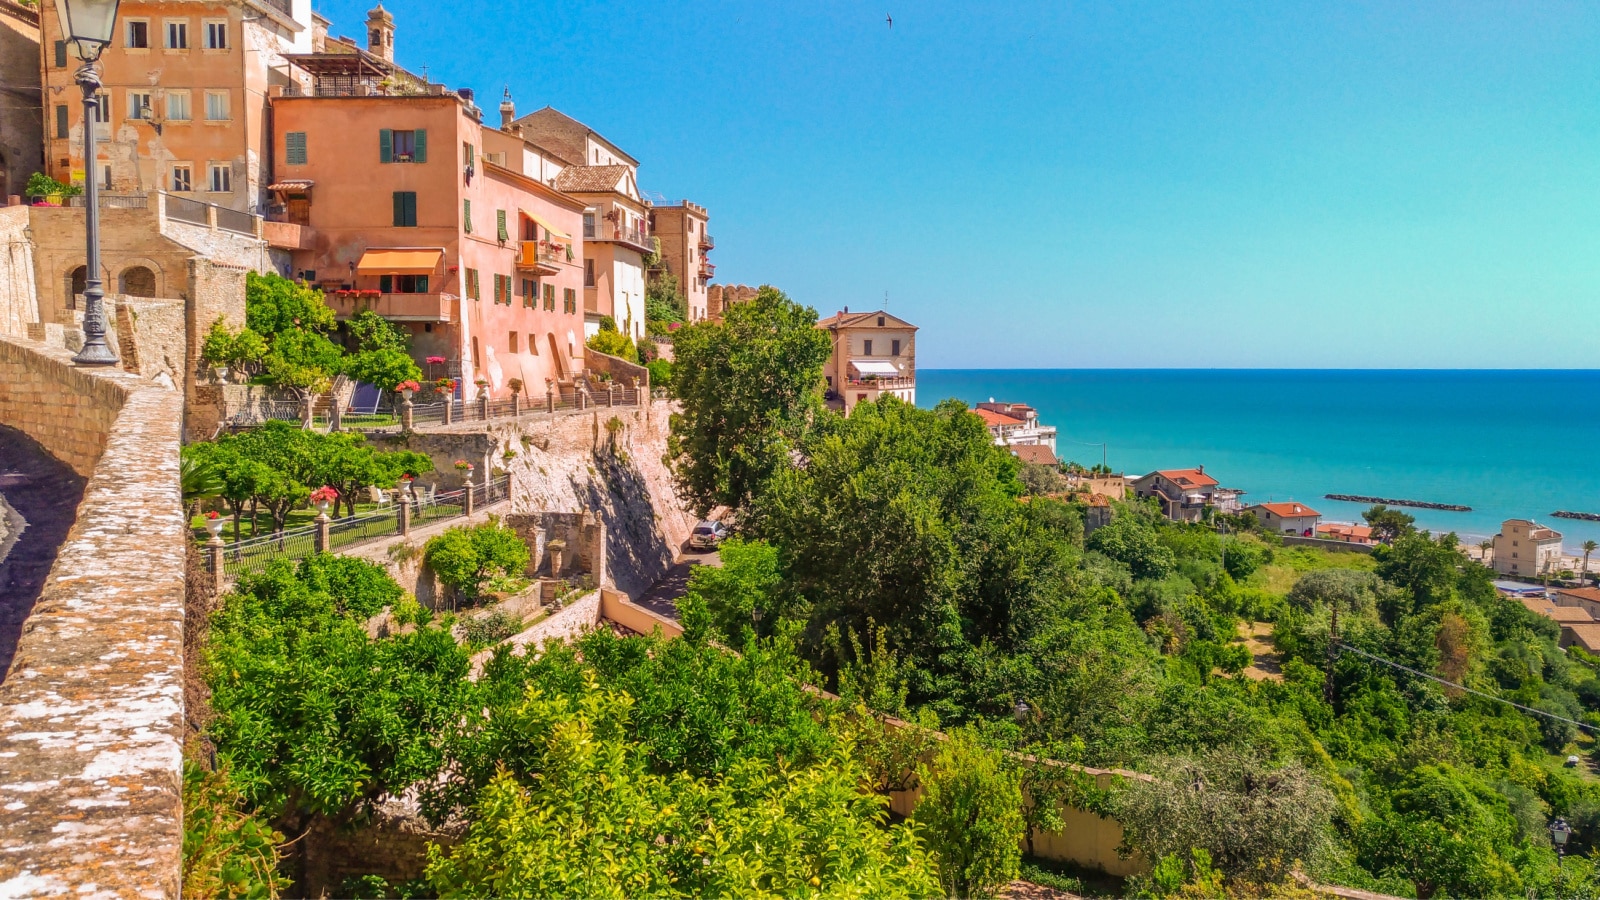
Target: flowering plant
<point x="408" y="386"/>
<point x="445" y="385"/>
<point x="674" y="326"/>
<point x="324" y="494"/>
<point x="463" y="466"/>
<point x="481" y="382"/>
<point x="212" y="514"/>
<point x="435" y="360"/>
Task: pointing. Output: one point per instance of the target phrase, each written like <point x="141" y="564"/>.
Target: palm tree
<point x="1588" y="548"/>
<point x="199" y="481"/>
<point x="1485" y="547"/>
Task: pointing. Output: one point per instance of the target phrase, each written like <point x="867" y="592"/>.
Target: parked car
<point x="707" y="535"/>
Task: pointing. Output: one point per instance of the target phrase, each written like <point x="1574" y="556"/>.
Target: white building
<point x="1185" y="494"/>
<point x="1286" y="518"/>
<point x="874" y="354"/>
<point x="1526" y="548"/>
<point x="1016" y="425"/>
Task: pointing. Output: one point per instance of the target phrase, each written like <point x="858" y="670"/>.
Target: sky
<point x="1084" y="185"/>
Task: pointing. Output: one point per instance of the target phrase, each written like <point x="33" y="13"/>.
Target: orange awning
<point x="411" y="261"/>
<point x="555" y="234"/>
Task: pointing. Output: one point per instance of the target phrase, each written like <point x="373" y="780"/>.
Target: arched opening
<point x="138" y="281"/>
<point x="555" y="356"/>
<point x="77" y="283"/>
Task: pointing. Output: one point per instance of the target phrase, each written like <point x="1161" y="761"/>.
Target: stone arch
<point x="137" y="281"/>
<point x="77" y="281"/>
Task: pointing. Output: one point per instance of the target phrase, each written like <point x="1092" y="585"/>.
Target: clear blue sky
<point x="1113" y="184"/>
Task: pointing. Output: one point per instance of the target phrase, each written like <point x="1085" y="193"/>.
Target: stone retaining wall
<point x="91" y="712"/>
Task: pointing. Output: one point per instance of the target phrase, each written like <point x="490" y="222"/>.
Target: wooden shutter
<point x="61" y="54"/>
<point x="466" y="215"/>
<point x="399" y="208"/>
<point x="500" y="219"/>
<point x="419" y="149"/>
<point x="385" y="145"/>
<point x="294" y="148"/>
<point x="62" y="127"/>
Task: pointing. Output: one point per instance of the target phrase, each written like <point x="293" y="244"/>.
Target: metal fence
<point x="427" y="505"/>
<point x="185" y="210"/>
<point x="235" y="221"/>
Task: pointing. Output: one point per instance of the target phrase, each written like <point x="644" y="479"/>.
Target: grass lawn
<point x="296" y="519"/>
<point x="1289" y="563"/>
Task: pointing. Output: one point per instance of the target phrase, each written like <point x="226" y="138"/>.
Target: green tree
<point x="748" y="388"/>
<point x="466" y="557"/>
<point x="664" y="304"/>
<point x="614" y="343"/>
<point x="380" y="355"/>
<point x="1388" y="524"/>
<point x="1589" y="547"/>
<point x="227" y="851"/>
<point x="747" y="579"/>
<point x="971" y="816"/>
<point x="1131" y="540"/>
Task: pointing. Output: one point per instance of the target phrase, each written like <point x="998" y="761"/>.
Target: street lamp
<point x="1559" y="832"/>
<point x="88" y="26"/>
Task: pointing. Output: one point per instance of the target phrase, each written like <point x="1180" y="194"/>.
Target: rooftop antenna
<point x="885" y="301"/>
<point x="425" y="74"/>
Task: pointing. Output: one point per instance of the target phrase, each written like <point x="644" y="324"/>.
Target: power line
<point x="1486" y="696"/>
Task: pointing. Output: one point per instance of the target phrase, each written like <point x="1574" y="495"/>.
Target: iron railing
<point x="235" y="221"/>
<point x="185" y="210"/>
<point x="114" y="201"/>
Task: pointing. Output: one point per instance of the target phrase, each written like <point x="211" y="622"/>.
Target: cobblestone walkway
<point x="44" y="494"/>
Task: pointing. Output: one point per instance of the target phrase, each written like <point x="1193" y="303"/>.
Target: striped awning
<point x="874" y="367"/>
<point x="399" y="261"/>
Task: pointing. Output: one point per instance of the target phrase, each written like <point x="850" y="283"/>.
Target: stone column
<point x="321" y="538"/>
<point x="611" y="392"/>
<point x="214" y="553"/>
<point x="335" y="414"/>
<point x="404" y="507"/>
<point x="516" y="404"/>
<point x="466" y="496"/>
<point x="483" y="405"/>
<point x="550" y="400"/>
<point x="406" y="414"/>
<point x="305" y="413"/>
<point x="639" y="397"/>
<point x="449" y="405"/>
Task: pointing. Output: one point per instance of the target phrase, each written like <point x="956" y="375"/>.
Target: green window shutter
<point x="499" y="288"/>
<point x="419" y="152"/>
<point x="471" y="154"/>
<point x="385" y="145"/>
<point x="386" y="283"/>
<point x="422" y="284"/>
<point x="61" y="54"/>
<point x="399" y="208"/>
<point x="500" y="219"/>
<point x="294" y="148"/>
<point x="411" y="208"/>
<point x="62" y="127"/>
<point x="466" y="215"/>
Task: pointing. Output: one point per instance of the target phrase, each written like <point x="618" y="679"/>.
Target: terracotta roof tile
<point x="1187" y="477"/>
<point x="1287" y="510"/>
<point x="1563" y="614"/>
<point x="589" y="179"/>
<point x="992" y="418"/>
<point x="1037" y="454"/>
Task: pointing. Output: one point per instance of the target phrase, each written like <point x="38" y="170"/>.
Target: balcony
<point x="707" y="242"/>
<point x="707" y="268"/>
<point x="881" y="384"/>
<point x="542" y="257"/>
<point x="637" y="238"/>
<point x="286" y="235"/>
<point x="395" y="307"/>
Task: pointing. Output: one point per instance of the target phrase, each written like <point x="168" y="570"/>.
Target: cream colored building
<point x="874" y="354"/>
<point x="184" y="107"/>
<point x="680" y="231"/>
<point x="1526" y="548"/>
<point x="21" y="140"/>
<point x="616" y="225"/>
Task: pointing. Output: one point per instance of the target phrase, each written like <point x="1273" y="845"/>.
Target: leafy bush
<point x="42" y="185"/>
<point x="660" y="374"/>
<point x="613" y="343"/>
<point x="465" y="557"/>
<point x="971" y="816"/>
<point x="1130" y="540"/>
<point x="227" y="852"/>
<point x="482" y="631"/>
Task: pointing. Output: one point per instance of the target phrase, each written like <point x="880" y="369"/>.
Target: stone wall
<point x="21" y="96"/>
<point x="621" y="371"/>
<point x="19" y="300"/>
<point x="574" y="462"/>
<point x="151" y="336"/>
<point x="721" y="296"/>
<point x="91" y="711"/>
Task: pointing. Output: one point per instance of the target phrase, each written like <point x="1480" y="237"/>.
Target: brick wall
<point x="19" y="302"/>
<point x="151" y="336"/>
<point x="91" y="711"/>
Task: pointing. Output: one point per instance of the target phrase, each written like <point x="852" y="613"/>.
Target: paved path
<point x="42" y="495"/>
<point x="662" y="596"/>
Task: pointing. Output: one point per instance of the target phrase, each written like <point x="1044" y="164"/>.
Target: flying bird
<point x="890" y="20"/>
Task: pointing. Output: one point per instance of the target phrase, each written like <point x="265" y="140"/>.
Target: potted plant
<point x="515" y="385"/>
<point x="214" y="524"/>
<point x="407" y="388"/>
<point x="323" y="497"/>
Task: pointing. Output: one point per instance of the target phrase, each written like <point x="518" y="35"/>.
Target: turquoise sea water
<point x="1506" y="443"/>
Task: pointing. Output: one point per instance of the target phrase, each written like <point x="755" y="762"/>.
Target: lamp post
<point x="88" y="26"/>
<point x="1559" y="832"/>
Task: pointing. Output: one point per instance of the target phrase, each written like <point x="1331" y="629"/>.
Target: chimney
<point x="380" y="33"/>
<point x="508" y="111"/>
<point x="1200" y="469"/>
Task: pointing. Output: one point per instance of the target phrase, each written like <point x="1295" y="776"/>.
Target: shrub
<point x="482" y="631"/>
<point x="660" y="374"/>
<point x="971" y="816"/>
<point x="42" y="185"/>
<point x="615" y="344"/>
<point x="226" y="852"/>
<point x="466" y="557"/>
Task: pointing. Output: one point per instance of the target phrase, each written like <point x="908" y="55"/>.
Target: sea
<point x="1508" y="443"/>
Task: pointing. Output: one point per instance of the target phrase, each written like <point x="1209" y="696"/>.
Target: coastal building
<point x="1096" y="513"/>
<point x="1348" y="532"/>
<point x="1185" y="494"/>
<point x="1526" y="548"/>
<point x="1518" y="590"/>
<point x="1585" y="635"/>
<point x="184" y="106"/>
<point x="1105" y="484"/>
<point x="1033" y="454"/>
<point x="21" y="133"/>
<point x="874" y="354"/>
<point x="1584" y="598"/>
<point x="1286" y="518"/>
<point x="680" y="231"/>
<point x="616" y="227"/>
<point x="1016" y="424"/>
<point x="405" y="204"/>
<point x="1565" y="615"/>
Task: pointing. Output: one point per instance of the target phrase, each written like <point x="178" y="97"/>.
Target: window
<point x="182" y="177"/>
<point x="61" y="54"/>
<point x="500" y="222"/>
<point x="866" y="348"/>
<point x="139" y="104"/>
<point x="102" y="115"/>
<point x="177" y="106"/>
<point x="221" y="178"/>
<point x="217" y="106"/>
<point x="403" y="146"/>
<point x="216" y="35"/>
<point x="105" y="177"/>
<point x="468" y="154"/>
<point x="138" y="34"/>
<point x="530" y="292"/>
<point x="62" y="126"/>
<point x="880" y="321"/>
<point x="550" y="297"/>
<point x="294" y="148"/>
<point x="569" y="301"/>
<point x="588" y="273"/>
<point x="588" y="224"/>
<point x="466" y="215"/>
<point x="497" y="294"/>
<point x="178" y="34"/>
<point x="403" y="284"/>
<point x="472" y="284"/>
<point x="894" y="348"/>
<point x="405" y="209"/>
<point x="513" y="342"/>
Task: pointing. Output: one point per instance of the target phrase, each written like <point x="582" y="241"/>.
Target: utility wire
<point x="1486" y="696"/>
